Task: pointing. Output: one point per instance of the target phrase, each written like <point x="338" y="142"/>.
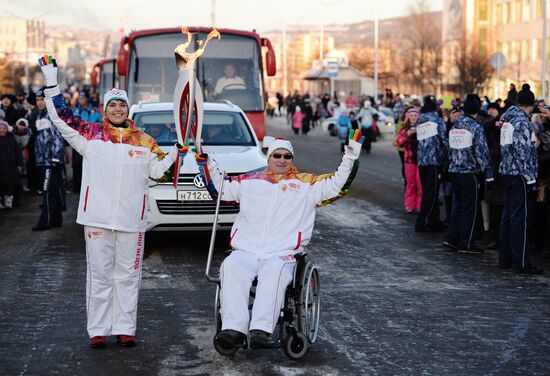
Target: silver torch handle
<point x="213" y="235"/>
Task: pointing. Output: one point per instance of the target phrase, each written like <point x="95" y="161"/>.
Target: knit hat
<point x="115" y="94"/>
<point x="525" y="96"/>
<point x="5" y="124"/>
<point x="471" y="105"/>
<point x="273" y="144"/>
<point x="411" y="111"/>
<point x="429" y="105"/>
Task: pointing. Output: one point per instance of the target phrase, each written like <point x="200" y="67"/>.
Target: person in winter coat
<point x="468" y="159"/>
<point x="343" y="125"/>
<point x="495" y="196"/>
<point x="297" y="119"/>
<point x="11" y="163"/>
<point x="407" y="139"/>
<point x="368" y="116"/>
<point x="90" y="114"/>
<point x="276" y="218"/>
<point x="118" y="159"/>
<point x="308" y="117"/>
<point x="519" y="168"/>
<point x="49" y="151"/>
<point x="11" y="114"/>
<point x="432" y="154"/>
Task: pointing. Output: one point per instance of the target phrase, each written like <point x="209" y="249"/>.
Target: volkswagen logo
<point x="198" y="181"/>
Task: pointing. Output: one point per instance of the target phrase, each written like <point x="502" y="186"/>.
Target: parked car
<point x="227" y="136"/>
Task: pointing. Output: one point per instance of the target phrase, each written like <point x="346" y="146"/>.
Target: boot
<point x="260" y="339"/>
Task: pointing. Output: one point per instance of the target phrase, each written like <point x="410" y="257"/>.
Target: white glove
<point x="353" y="149"/>
<point x="48" y="66"/>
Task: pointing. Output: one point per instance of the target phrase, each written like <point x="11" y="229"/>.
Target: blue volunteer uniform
<point x="519" y="168"/>
<point x="432" y="154"/>
<point x="468" y="160"/>
<point x="50" y="157"/>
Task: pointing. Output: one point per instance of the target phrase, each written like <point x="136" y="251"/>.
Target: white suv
<point x="227" y="136"/>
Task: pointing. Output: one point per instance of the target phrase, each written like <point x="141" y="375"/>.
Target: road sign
<point x="498" y="61"/>
<point x="332" y="68"/>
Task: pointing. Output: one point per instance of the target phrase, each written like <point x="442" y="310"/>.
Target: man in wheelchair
<point x="275" y="222"/>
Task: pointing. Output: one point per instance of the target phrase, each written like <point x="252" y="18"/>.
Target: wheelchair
<point x="298" y="323"/>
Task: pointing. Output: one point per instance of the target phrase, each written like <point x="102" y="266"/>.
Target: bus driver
<point x="229" y="81"/>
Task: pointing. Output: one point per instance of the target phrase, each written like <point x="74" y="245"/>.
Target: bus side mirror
<point x="122" y="58"/>
<point x="270" y="61"/>
<point x="94" y="75"/>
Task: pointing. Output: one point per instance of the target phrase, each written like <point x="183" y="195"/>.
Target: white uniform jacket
<point x="116" y="165"/>
<point x="277" y="212"/>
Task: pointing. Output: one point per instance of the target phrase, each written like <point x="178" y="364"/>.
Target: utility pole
<point x="376" y="17"/>
<point x="285" y="78"/>
<point x="213" y="12"/>
<point x="543" y="56"/>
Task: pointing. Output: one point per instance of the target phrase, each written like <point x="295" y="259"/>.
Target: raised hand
<point x="48" y="66"/>
<point x="356" y="139"/>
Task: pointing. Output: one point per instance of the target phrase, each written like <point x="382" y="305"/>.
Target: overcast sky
<point x="262" y="15"/>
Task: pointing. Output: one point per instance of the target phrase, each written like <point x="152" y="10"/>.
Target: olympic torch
<point x="188" y="101"/>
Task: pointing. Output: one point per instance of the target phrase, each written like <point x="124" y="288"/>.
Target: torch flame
<point x="190" y="57"/>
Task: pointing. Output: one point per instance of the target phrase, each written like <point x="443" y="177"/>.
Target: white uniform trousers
<point x="113" y="277"/>
<point x="237" y="274"/>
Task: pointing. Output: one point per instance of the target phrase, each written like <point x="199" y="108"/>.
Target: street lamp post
<point x="376" y="25"/>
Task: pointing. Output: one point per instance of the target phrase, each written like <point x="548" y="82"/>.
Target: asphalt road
<point x="393" y="302"/>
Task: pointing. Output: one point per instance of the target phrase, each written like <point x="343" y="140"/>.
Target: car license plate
<point x="194" y="196"/>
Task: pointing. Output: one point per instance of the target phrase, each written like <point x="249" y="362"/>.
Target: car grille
<point x="193" y="207"/>
<point x="187" y="179"/>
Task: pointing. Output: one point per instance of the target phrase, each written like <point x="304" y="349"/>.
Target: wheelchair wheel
<point x="309" y="303"/>
<point x="295" y="346"/>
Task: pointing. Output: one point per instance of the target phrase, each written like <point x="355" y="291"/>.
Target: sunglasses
<point x="279" y="155"/>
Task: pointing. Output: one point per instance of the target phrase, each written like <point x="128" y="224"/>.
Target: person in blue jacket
<point x="468" y="160"/>
<point x="90" y="114"/>
<point x="344" y="125"/>
<point x="519" y="168"/>
<point x="432" y="154"/>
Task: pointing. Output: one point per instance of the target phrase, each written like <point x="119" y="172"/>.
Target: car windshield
<point x="218" y="128"/>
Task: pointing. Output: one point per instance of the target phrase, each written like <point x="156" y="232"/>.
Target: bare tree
<point x="472" y="67"/>
<point x="422" y="57"/>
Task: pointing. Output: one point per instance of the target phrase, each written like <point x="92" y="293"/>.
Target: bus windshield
<point x="229" y="69"/>
<point x="107" y="79"/>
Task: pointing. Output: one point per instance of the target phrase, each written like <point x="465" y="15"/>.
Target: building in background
<point x="22" y="42"/>
<point x="512" y="27"/>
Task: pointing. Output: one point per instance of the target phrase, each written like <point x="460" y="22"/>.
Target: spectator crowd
<point x="33" y="155"/>
<point x="487" y="162"/>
